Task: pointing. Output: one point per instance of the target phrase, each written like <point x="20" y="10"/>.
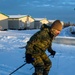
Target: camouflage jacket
<point x="40" y="42"/>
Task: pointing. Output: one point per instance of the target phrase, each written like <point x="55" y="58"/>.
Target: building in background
<point x="44" y="21"/>
<point x="20" y="22"/>
<point x="40" y="21"/>
<point x="3" y="21"/>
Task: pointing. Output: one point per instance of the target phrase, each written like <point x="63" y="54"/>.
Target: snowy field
<point x="11" y="56"/>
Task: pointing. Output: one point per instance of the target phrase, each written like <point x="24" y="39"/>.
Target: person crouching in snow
<point x="38" y="44"/>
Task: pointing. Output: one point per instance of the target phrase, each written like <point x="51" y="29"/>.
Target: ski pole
<point x="51" y="56"/>
<point x="17" y="68"/>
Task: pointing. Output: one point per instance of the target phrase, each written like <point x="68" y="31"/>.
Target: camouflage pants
<point x="42" y="64"/>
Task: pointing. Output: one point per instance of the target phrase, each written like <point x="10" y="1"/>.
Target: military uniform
<point x="36" y="47"/>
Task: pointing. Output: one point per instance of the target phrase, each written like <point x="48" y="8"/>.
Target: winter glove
<point x="53" y="53"/>
<point x="29" y="58"/>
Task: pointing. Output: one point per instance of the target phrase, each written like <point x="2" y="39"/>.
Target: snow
<point x="67" y="31"/>
<point x="11" y="56"/>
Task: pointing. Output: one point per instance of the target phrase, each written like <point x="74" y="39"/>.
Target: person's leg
<point x="38" y="65"/>
<point x="47" y="64"/>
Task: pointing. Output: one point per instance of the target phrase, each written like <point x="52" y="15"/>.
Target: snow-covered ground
<point x="11" y="56"/>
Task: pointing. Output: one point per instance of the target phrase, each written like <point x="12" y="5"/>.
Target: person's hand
<point x="29" y="58"/>
<point x="53" y="53"/>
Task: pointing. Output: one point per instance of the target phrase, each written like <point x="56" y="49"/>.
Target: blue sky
<point x="51" y="9"/>
<point x="37" y="3"/>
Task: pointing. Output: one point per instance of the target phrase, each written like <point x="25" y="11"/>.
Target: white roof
<point x="16" y="16"/>
<point x="51" y="20"/>
<point x="38" y="19"/>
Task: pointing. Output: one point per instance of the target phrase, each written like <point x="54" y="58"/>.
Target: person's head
<point x="56" y="27"/>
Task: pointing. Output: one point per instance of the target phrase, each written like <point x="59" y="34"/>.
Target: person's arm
<point x="51" y="51"/>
